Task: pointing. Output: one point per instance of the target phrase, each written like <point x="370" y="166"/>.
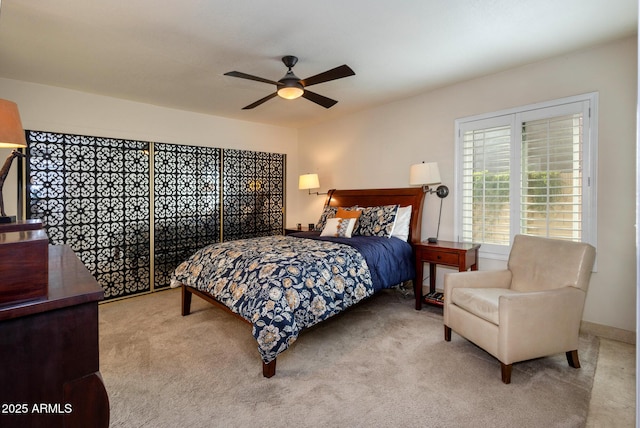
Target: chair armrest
<point x="539" y="323"/>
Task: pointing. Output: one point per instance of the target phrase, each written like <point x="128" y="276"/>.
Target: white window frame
<point x="514" y="117"/>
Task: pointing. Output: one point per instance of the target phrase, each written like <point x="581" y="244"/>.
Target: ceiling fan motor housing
<point x="291" y="87"/>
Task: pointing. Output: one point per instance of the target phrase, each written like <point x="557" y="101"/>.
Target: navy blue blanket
<point x="390" y="260"/>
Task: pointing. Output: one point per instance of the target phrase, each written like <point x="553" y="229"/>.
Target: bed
<point x="282" y="285"/>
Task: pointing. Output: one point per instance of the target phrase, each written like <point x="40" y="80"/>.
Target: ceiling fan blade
<point x="319" y="99"/>
<point x="260" y="101"/>
<point x="333" y="74"/>
<point x="250" y="77"/>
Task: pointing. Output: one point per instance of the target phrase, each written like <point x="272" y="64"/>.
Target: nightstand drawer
<point x="440" y="257"/>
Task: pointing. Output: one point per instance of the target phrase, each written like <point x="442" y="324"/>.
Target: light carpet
<point x="379" y="364"/>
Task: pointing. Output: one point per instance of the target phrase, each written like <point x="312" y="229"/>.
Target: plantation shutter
<point x="527" y="171"/>
<point x="552" y="157"/>
<point x="486" y="166"/>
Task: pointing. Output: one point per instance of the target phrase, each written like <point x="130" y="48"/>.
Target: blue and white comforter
<point x="283" y="284"/>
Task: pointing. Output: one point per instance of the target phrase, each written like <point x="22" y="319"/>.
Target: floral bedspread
<point x="280" y="284"/>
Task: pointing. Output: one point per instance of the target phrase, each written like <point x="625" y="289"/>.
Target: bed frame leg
<point x="269" y="369"/>
<point x="186" y="301"/>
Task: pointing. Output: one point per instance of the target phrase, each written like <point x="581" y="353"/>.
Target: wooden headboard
<point x="404" y="196"/>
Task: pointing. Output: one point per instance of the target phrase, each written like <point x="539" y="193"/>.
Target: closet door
<point x="186" y="205"/>
<point x="253" y="194"/>
<point x="92" y="194"/>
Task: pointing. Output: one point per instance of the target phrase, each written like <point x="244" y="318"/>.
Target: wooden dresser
<point x="49" y="356"/>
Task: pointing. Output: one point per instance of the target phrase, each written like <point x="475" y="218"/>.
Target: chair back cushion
<point x="544" y="264"/>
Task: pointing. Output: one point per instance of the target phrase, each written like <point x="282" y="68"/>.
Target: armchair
<point x="531" y="309"/>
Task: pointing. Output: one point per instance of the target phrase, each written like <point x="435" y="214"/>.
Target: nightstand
<point x="290" y="230"/>
<point x="456" y="254"/>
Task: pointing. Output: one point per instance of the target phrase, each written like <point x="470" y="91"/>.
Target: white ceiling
<point x="174" y="53"/>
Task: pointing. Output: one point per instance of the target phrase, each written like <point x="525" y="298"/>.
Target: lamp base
<point x="432" y="240"/>
<point x="7" y="219"/>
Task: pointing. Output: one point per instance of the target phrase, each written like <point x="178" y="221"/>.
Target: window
<point x="529" y="170"/>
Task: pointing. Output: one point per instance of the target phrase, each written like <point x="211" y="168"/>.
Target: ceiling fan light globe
<point x="290" y="92"/>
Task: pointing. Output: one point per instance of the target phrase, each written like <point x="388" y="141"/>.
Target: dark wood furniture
<point x="49" y="376"/>
<point x="339" y="198"/>
<point x="456" y="254"/>
<point x="290" y="230"/>
<point x="23" y="263"/>
<point x="20" y="225"/>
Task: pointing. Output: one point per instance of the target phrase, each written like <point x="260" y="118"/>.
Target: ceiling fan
<point x="292" y="87"/>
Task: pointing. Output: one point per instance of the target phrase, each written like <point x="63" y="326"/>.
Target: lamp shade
<point x="424" y="174"/>
<point x="11" y="131"/>
<point x="308" y="181"/>
<point x="290" y="92"/>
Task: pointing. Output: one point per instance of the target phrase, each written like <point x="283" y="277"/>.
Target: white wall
<point x="46" y="108"/>
<point x="374" y="149"/>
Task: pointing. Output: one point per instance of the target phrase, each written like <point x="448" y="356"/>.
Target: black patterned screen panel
<point x="186" y="204"/>
<point x="253" y="194"/>
<point x="93" y="194"/>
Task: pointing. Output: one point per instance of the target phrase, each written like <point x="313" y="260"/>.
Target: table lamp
<point x="11" y="136"/>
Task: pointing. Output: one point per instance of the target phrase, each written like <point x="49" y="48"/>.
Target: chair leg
<point x="572" y="359"/>
<point x="506" y="372"/>
<point x="447" y="333"/>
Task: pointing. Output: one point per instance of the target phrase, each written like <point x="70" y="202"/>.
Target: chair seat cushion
<point x="482" y="302"/>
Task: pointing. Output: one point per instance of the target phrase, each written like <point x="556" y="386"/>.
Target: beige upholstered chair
<point x="531" y="309"/>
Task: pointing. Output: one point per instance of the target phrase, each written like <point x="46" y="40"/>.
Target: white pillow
<point x="403" y="221"/>
<point x="339" y="227"/>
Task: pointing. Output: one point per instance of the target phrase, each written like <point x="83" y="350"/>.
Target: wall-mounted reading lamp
<point x="309" y="181"/>
<point x="425" y="175"/>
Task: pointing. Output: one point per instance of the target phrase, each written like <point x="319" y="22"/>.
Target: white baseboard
<point x="607" y="332"/>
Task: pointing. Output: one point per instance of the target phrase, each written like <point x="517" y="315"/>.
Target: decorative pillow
<point x="339" y="227"/>
<point x="352" y="212"/>
<point x="403" y="221"/>
<point x="327" y="213"/>
<point x="377" y="221"/>
<point x="331" y="212"/>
